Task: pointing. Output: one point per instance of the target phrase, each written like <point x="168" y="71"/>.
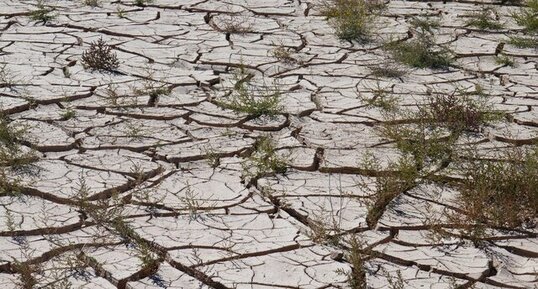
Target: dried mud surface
<point x="194" y="225"/>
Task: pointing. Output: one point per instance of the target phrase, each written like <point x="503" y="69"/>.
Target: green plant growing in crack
<point x="142" y="3"/>
<point x="42" y="13"/>
<point x="484" y="19"/>
<point x="194" y="204"/>
<point x="381" y="99"/>
<point x="426" y="142"/>
<point x="68" y="114"/>
<point x="502" y="192"/>
<point x="528" y="17"/>
<point x="264" y="160"/>
<point x="7" y="78"/>
<point x="505" y="60"/>
<point x="251" y="99"/>
<point x="212" y="157"/>
<point x="387" y="187"/>
<point x="421" y="51"/>
<point x="356" y="257"/>
<point x="92" y="3"/>
<point x="11" y="154"/>
<point x="524" y="42"/>
<point x="352" y="20"/>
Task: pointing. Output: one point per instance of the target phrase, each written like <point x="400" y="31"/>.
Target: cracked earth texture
<point x="167" y="203"/>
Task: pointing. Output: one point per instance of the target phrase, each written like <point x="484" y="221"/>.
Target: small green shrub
<point x="484" y="19"/>
<point x="352" y="19"/>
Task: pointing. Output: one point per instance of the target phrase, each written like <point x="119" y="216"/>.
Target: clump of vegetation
<point x="459" y="112"/>
<point x="381" y="99"/>
<point x="142" y="3"/>
<point x="69" y="114"/>
<point x="421" y="51"/>
<point x="425" y="24"/>
<point x="528" y="17"/>
<point x="388" y="187"/>
<point x="352" y="19"/>
<point x="10" y="151"/>
<point x="505" y="60"/>
<point x="524" y="42"/>
<point x="502" y="192"/>
<point x="264" y="160"/>
<point x="252" y="100"/>
<point x="356" y="277"/>
<point x="100" y="57"/>
<point x="92" y="3"/>
<point x="6" y="77"/>
<point x="42" y="13"/>
<point x="484" y="19"/>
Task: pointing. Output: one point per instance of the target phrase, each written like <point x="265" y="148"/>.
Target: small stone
<point x="337" y="255"/>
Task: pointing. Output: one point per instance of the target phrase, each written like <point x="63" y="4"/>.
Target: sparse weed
<point x="42" y="13"/>
<point x="10" y="151"/>
<point x="264" y="160"/>
<point x="528" y="17"/>
<point x="381" y="99"/>
<point x="425" y="24"/>
<point x="120" y="12"/>
<point x="505" y="60"/>
<point x="459" y="112"/>
<point x="6" y="77"/>
<point x="92" y="3"/>
<point x="212" y="158"/>
<point x="69" y="114"/>
<point x="524" y="42"/>
<point x="502" y="192"/>
<point x="486" y="18"/>
<point x="352" y="19"/>
<point x="252" y="100"/>
<point x="356" y="278"/>
<point x="389" y="187"/>
<point x="100" y="57"/>
<point x="421" y="52"/>
<point x="142" y="3"/>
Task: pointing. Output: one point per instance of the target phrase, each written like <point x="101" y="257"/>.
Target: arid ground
<point x="268" y="144"/>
